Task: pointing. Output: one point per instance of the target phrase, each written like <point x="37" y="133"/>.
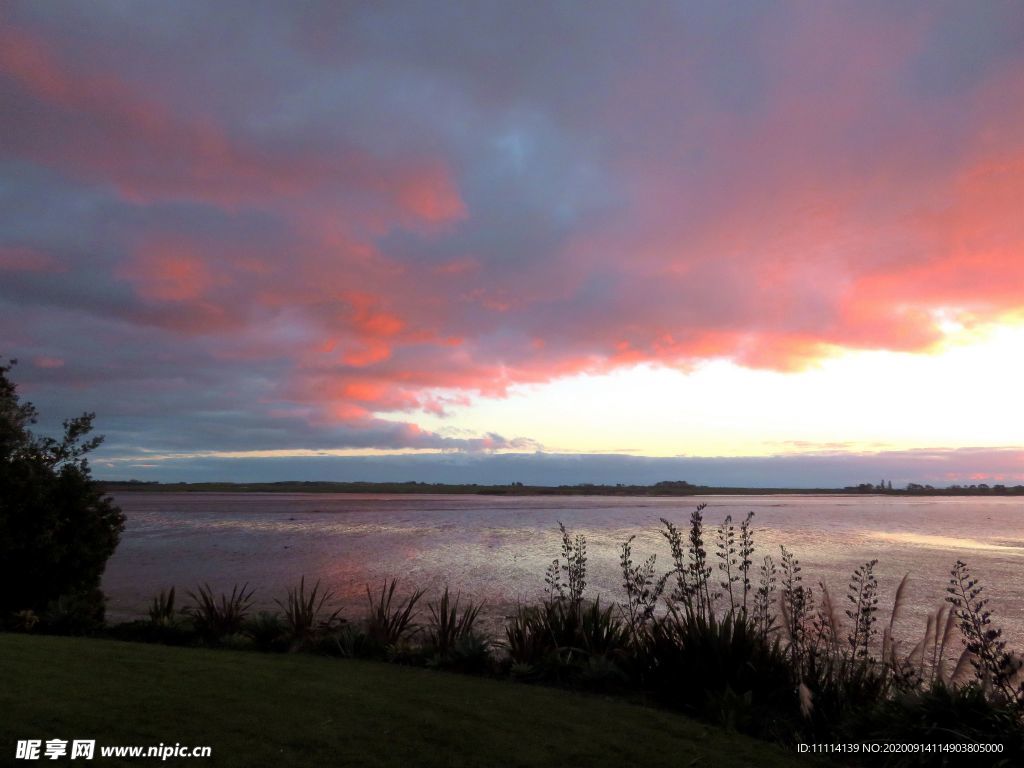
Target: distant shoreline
<point x="669" y="488"/>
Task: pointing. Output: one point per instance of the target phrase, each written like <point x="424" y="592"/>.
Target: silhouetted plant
<point x="840" y="685"/>
<point x="214" y="620"/>
<point x="526" y="638"/>
<point x="700" y="571"/>
<point x="863" y="599"/>
<point x="727" y="563"/>
<point x="746" y="552"/>
<point x="78" y="613"/>
<point x="642" y="590"/>
<point x="936" y="714"/>
<point x="927" y="660"/>
<point x="448" y="626"/>
<point x="993" y="663"/>
<point x="268" y="631"/>
<point x="905" y="675"/>
<point x="722" y="669"/>
<point x="826" y="626"/>
<point x="560" y="622"/>
<point x="764" y="599"/>
<point x="352" y="641"/>
<point x="471" y="653"/>
<point x="797" y="605"/>
<point x="559" y="640"/>
<point x="601" y="633"/>
<point x="388" y="624"/>
<point x="554" y="588"/>
<point x="161" y="610"/>
<point x="939" y="645"/>
<point x="304" y="615"/>
<point x="692" y="571"/>
<point x="58" y="527"/>
<point x="574" y="554"/>
<point x="684" y="592"/>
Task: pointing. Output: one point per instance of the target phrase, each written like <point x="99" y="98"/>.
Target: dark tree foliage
<point x="57" y="528"/>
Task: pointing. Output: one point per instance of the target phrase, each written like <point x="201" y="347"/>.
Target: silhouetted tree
<point x="57" y="528"/>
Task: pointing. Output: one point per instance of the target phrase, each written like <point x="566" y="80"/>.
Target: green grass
<point x="300" y="710"/>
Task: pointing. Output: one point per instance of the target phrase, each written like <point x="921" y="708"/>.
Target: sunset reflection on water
<point x="495" y="549"/>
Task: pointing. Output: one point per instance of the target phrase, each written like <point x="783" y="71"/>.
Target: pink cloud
<point x="100" y="128"/>
<point x="167" y="271"/>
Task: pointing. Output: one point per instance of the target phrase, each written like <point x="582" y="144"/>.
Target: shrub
<point x="80" y="613"/>
<point x="353" y="642"/>
<point x="304" y="615"/>
<point x="994" y="665"/>
<point x="601" y="633"/>
<point x="472" y="653"/>
<point x="164" y="624"/>
<point x="526" y="640"/>
<point x="268" y="631"/>
<point x="642" y="589"/>
<point x="690" y="565"/>
<point x="448" y="627"/>
<point x="573" y="565"/>
<point x="765" y="618"/>
<point x="722" y="669"/>
<point x="389" y="624"/>
<point x="161" y="611"/>
<point x="863" y="599"/>
<point x="57" y="528"/>
<point x="216" y="620"/>
<point x="938" y="714"/>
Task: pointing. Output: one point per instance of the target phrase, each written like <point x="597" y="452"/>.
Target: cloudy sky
<point x="308" y="240"/>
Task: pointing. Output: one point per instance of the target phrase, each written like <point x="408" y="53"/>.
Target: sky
<point x="556" y="241"/>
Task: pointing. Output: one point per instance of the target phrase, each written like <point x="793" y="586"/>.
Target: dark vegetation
<point x="664" y="488"/>
<point x="57" y="527"/>
<point x="302" y="711"/>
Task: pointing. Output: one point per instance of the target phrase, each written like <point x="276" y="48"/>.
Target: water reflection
<point x="496" y="549"/>
<point x="946" y="542"/>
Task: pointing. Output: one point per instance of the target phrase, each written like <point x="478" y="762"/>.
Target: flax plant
<point x="304" y="614"/>
<point x="214" y="620"/>
<point x="448" y="625"/>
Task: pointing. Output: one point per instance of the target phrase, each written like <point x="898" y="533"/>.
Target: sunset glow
<point x="698" y="231"/>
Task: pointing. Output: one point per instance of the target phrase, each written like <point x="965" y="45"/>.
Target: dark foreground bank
<point x="300" y="710"/>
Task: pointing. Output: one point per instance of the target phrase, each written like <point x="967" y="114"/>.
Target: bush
<point x="268" y="632"/>
<point x="448" y="626"/>
<point x="57" y="528"/>
<point x="305" y="618"/>
<point x="722" y="669"/>
<point x="939" y="715"/>
<point x="161" y="610"/>
<point x="389" y="623"/>
<point x="215" y="621"/>
<point x="75" y="614"/>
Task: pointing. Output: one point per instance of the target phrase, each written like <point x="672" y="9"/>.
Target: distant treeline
<point x="664" y="488"/>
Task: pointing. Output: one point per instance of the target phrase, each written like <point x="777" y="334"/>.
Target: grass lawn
<point x="298" y="710"/>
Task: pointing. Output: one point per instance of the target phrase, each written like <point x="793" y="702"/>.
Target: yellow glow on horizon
<point x="964" y="393"/>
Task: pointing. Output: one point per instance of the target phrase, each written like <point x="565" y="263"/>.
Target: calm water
<point x="496" y="549"/>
